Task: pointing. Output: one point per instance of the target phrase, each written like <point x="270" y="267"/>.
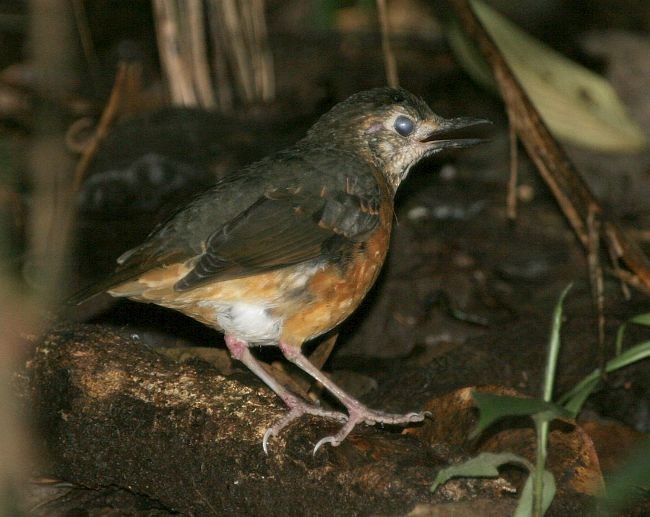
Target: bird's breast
<point x="335" y="291"/>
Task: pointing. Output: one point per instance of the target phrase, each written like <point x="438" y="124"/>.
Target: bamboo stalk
<point x="220" y="61"/>
<point x="199" y="53"/>
<point x="179" y="78"/>
<point x="266" y="70"/>
<point x="237" y="47"/>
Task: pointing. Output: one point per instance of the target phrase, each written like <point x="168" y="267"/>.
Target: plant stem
<point x="541" y="421"/>
<point x="541" y="427"/>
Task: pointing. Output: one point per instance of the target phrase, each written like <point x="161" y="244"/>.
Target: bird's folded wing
<point x="282" y="228"/>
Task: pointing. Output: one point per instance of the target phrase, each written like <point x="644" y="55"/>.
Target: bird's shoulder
<point x="317" y="173"/>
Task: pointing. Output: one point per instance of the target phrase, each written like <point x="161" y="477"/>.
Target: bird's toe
<point x="298" y="408"/>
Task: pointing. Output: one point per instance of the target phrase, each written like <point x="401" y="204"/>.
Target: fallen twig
<point x="567" y="185"/>
<point x="109" y="115"/>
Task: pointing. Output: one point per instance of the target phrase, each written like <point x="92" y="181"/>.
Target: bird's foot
<point x="360" y="413"/>
<point x="298" y="408"/>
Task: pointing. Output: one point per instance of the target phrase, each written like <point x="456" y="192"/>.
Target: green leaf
<point x="494" y="407"/>
<point x="485" y="465"/>
<point x="641" y="319"/>
<point x="573" y="399"/>
<point x="525" y="505"/>
<point x="578" y="105"/>
<point x="619" y="338"/>
<point x="575" y="403"/>
<point x="554" y="346"/>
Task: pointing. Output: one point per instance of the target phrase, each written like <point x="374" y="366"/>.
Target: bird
<point x="284" y="250"/>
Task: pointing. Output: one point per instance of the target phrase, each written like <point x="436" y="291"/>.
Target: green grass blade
<point x="640" y="319"/>
<point x="554" y="347"/>
<point x="572" y="400"/>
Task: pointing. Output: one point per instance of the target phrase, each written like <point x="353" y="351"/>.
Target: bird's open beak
<point x="454" y="133"/>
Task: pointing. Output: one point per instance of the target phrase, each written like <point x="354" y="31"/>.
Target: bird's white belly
<point x="256" y="315"/>
<point x="251" y="322"/>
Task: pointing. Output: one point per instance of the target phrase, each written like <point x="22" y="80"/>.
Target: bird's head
<point x="391" y="127"/>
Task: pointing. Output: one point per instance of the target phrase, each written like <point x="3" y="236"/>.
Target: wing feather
<point x="286" y="209"/>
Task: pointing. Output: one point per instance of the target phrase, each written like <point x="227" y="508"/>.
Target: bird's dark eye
<point x="404" y="125"/>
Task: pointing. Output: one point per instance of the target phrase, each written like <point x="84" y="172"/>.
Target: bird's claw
<point x="336" y="439"/>
<point x="298" y="408"/>
<point x="275" y="429"/>
<point x="328" y="439"/>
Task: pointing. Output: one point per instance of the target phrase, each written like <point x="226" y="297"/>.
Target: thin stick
<point x="85" y="36"/>
<point x="237" y="47"/>
<point x="224" y="88"/>
<point x="596" y="281"/>
<point x="267" y="73"/>
<point x="630" y="279"/>
<point x="199" y="53"/>
<point x="179" y="79"/>
<point x="105" y="122"/>
<point x="389" y="58"/>
<point x="615" y="252"/>
<point x="511" y="200"/>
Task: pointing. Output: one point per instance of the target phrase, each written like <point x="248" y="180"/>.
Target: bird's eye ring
<point x="404" y="125"/>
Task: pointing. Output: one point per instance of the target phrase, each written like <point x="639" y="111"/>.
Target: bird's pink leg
<point x="297" y="407"/>
<point x="357" y="412"/>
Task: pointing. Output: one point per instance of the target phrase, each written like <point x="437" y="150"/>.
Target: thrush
<point x="284" y="250"/>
